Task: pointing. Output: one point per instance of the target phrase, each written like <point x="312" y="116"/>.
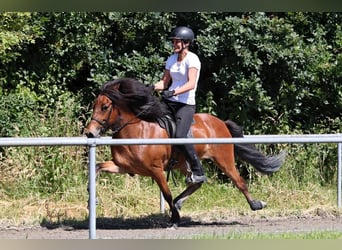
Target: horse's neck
<point x="135" y="128"/>
<point x="125" y="124"/>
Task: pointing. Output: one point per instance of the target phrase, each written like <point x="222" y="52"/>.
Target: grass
<point x="38" y="188"/>
<point x="327" y="235"/>
<point x="125" y="196"/>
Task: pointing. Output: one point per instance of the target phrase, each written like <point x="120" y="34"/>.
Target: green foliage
<point x="17" y="112"/>
<point x="273" y="73"/>
<point x="268" y="75"/>
<point x="265" y="70"/>
<point x="15" y="33"/>
<point x="43" y="170"/>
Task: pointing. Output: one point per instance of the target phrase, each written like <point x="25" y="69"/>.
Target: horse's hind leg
<point x="226" y="163"/>
<point x="179" y="200"/>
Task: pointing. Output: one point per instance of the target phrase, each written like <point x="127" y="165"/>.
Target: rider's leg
<point x="184" y="118"/>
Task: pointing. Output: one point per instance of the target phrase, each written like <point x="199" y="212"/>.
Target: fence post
<point x="339" y="174"/>
<point x="92" y="191"/>
<point x="162" y="203"/>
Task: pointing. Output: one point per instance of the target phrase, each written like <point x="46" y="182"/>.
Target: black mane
<point x="132" y="94"/>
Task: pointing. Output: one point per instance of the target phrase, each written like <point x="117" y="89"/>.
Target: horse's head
<point x="123" y="97"/>
<point x="104" y="117"/>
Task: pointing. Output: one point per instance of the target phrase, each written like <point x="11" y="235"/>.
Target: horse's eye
<point x="105" y="107"/>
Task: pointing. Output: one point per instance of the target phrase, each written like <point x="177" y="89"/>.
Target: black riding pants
<point x="183" y="114"/>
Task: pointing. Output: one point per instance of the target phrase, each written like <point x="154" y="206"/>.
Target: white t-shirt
<point x="179" y="75"/>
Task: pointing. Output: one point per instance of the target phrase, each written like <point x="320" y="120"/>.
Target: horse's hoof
<point x="257" y="205"/>
<point x="173" y="226"/>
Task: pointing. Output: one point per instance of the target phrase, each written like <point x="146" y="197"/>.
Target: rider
<point x="178" y="86"/>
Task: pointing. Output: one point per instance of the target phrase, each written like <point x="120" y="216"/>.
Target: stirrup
<point x="195" y="179"/>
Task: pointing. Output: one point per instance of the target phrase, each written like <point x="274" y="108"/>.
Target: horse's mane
<point x="134" y="95"/>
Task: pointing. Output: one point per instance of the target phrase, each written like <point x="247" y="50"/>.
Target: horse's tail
<point x="247" y="152"/>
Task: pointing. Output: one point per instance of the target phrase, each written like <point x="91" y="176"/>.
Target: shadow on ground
<point x="154" y="221"/>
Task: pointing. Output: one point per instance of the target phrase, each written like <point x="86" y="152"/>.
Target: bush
<point x="272" y="73"/>
<point x="44" y="170"/>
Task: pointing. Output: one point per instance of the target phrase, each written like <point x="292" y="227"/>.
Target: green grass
<point x="327" y="235"/>
<point x="130" y="197"/>
<point x="41" y="183"/>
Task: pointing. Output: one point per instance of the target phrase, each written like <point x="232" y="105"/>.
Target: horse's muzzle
<point x="92" y="132"/>
<point x="89" y="134"/>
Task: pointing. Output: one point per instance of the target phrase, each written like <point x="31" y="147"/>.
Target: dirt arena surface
<point x="156" y="227"/>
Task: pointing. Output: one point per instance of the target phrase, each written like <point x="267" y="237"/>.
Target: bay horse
<point x="129" y="108"/>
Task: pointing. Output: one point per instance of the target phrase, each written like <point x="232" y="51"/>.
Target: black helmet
<point x="182" y="33"/>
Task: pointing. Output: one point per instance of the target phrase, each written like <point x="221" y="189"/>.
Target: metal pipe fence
<point x="93" y="143"/>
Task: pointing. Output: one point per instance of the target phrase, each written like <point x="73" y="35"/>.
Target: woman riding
<point x="178" y="86"/>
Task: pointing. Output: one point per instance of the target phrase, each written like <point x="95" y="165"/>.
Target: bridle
<point x="104" y="123"/>
<point x="115" y="129"/>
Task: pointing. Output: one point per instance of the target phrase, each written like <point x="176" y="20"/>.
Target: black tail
<point x="247" y="152"/>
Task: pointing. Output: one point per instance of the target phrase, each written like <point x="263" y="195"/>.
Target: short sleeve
<point x="194" y="62"/>
<point x="171" y="60"/>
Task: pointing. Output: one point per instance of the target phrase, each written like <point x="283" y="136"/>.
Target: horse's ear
<point x="116" y="86"/>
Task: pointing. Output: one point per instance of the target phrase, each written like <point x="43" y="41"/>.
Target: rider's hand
<point x="151" y="87"/>
<point x="167" y="94"/>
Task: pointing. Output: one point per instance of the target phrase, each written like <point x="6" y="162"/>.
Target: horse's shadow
<point x="153" y="221"/>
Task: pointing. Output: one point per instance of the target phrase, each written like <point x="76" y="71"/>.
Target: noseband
<point x="104" y="123"/>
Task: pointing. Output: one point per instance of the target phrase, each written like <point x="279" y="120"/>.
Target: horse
<point x="129" y="108"/>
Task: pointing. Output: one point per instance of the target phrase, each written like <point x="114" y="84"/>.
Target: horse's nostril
<point x="89" y="134"/>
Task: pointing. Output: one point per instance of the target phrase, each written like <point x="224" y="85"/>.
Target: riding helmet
<point x="182" y="33"/>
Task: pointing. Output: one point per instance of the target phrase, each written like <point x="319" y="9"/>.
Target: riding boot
<point x="195" y="165"/>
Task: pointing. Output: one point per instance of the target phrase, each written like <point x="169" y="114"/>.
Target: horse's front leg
<point x="159" y="177"/>
<point x="110" y="167"/>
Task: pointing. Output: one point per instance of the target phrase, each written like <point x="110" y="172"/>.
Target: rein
<point x="116" y="130"/>
<point x="116" y="127"/>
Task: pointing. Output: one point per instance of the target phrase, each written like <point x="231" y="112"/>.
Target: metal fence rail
<point x="93" y="143"/>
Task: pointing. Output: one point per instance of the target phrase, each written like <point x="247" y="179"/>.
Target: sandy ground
<point x="156" y="227"/>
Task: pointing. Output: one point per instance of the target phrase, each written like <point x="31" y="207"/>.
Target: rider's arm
<point x="164" y="82"/>
<point x="190" y="84"/>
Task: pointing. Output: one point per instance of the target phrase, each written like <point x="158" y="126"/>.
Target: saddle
<point x="168" y="123"/>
